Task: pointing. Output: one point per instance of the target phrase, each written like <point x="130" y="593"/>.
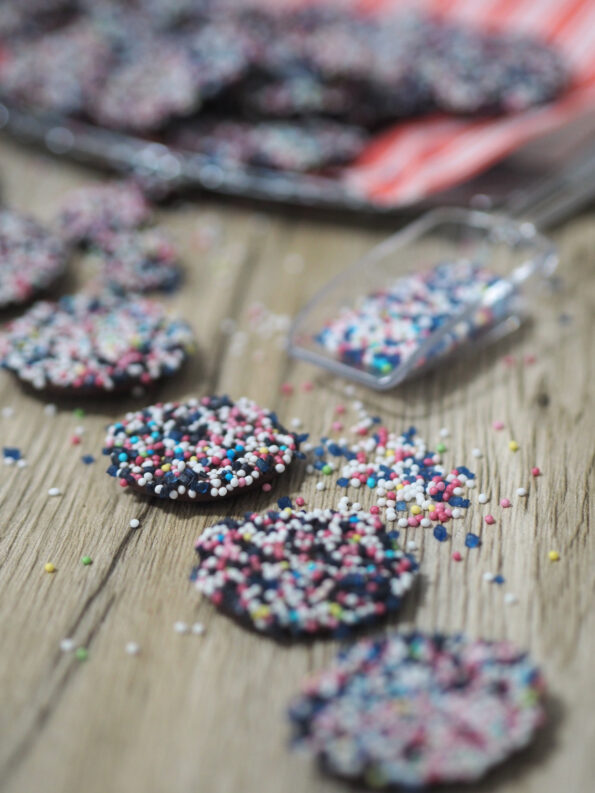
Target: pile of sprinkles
<point x="201" y="450"/>
<point x="86" y="344"/>
<point x="407" y="478"/>
<point x="388" y="327"/>
<point x="142" y="260"/>
<point x="31" y="258"/>
<point x="292" y="574"/>
<point x="415" y="709"/>
<point x="89" y="212"/>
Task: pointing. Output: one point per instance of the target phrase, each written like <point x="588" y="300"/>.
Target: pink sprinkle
<point x="75" y="440"/>
<point x="340" y="409"/>
<point x="337" y="426"/>
<point x="375" y="510"/>
<point x="300" y="501"/>
<point x="456" y="556"/>
<point x="530" y="359"/>
<point x="509" y="360"/>
<point x="307" y="386"/>
<point x="498" y="425"/>
<point x="505" y="502"/>
<point x="267" y="487"/>
<point x="286" y="389"/>
<point x="535" y="471"/>
<point x="490" y="519"/>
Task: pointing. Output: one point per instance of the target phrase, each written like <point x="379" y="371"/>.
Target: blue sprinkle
<point x="12" y="452"/>
<point x="88" y="459"/>
<point x="440" y="533"/>
<point x="472" y="540"/>
<point x="498" y="579"/>
<point x="401" y="506"/>
<point x="284" y="502"/>
<point x="343" y="481"/>
<point x="371" y="482"/>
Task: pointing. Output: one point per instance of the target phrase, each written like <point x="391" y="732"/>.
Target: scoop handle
<point x="556" y="198"/>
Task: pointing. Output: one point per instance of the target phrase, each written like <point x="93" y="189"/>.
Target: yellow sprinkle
<point x="49" y="568"/>
<point x="335" y="609"/>
<point x="261" y="611"/>
<point x="513" y="446"/>
<point x="193" y="459"/>
<point x="356" y="537"/>
<point x="165" y="467"/>
<point x="415" y="509"/>
<point x="246" y="536"/>
<point x="263" y="450"/>
<point x="400" y="486"/>
<point x="554" y="556"/>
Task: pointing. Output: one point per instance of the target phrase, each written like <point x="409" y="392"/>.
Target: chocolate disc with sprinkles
<point x="137" y="261"/>
<point x="90" y="211"/>
<point x="87" y="345"/>
<point x="413" y="710"/>
<point x="201" y="450"/>
<point x="297" y="574"/>
<point x="30" y="258"/>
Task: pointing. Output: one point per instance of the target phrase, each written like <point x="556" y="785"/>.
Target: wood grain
<point x="208" y="713"/>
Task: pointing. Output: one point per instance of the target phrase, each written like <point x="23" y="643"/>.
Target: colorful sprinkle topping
<point x="94" y="344"/>
<point x="199" y="450"/>
<point x="295" y="574"/>
<point x="413" y="710"/>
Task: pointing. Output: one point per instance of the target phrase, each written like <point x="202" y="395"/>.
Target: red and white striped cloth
<point x="414" y="159"/>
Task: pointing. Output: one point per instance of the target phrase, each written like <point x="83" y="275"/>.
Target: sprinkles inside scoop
<point x="386" y="328"/>
<point x="30" y="257"/>
<point x="295" y="574"/>
<point x="201" y="450"/>
<point x="417" y="709"/>
<point x="89" y="344"/>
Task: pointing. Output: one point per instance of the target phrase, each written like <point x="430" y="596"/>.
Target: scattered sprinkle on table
<point x="181" y="627"/>
<point x="472" y="540"/>
<point x="81" y="654"/>
<point x="198" y="629"/>
<point x="535" y="471"/>
<point x="513" y="446"/>
<point x="67" y="645"/>
<point x="86" y="560"/>
<point x="554" y="556"/>
<point x="132" y="648"/>
<point x="134" y="523"/>
<point x="49" y="567"/>
<point x="54" y="491"/>
<point x="87" y="459"/>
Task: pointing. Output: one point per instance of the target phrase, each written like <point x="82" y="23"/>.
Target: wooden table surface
<point x="207" y="714"/>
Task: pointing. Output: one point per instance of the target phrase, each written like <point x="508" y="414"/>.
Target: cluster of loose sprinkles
<point x="86" y="344"/>
<point x="387" y="328"/>
<point x="297" y="574"/>
<point x="408" y="479"/>
<point x="12" y="455"/>
<point x="415" y="709"/>
<point x="89" y="212"/>
<point x="142" y="260"/>
<point x="201" y="450"/>
<point x="30" y="256"/>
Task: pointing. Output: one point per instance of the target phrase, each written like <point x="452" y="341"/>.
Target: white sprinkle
<point x="456" y="513"/>
<point x="54" y="491"/>
<point x="67" y="645"/>
<point x="134" y="523"/>
<point x="198" y="629"/>
<point x="132" y="648"/>
<point x="444" y="432"/>
<point x="521" y="491"/>
<point x="510" y="599"/>
<point x="488" y="577"/>
<point x="22" y="463"/>
<point x="482" y="498"/>
<point x="181" y="627"/>
<point x="477" y="453"/>
<point x="425" y="523"/>
<point x="9" y="461"/>
<point x="295" y="422"/>
<point x="320" y="486"/>
<point x="411" y="545"/>
<point x="402" y="523"/>
<point x="7" y="412"/>
<point x="50" y="409"/>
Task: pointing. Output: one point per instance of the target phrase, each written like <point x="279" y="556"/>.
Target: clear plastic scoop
<point x="454" y="277"/>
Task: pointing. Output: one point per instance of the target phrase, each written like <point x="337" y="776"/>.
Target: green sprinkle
<point x="326" y="469"/>
<point x="81" y="654"/>
<point x="441" y="447"/>
<point x="86" y="560"/>
<point x="79" y="413"/>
